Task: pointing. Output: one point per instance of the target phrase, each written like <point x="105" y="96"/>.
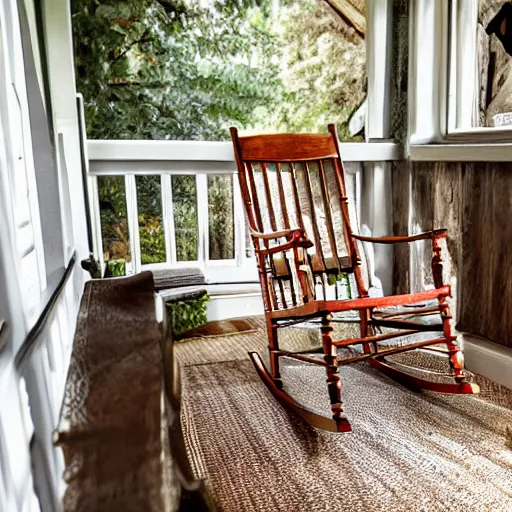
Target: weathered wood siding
<point x="474" y="202"/>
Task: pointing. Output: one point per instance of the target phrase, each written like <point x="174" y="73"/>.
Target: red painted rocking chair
<point x="293" y="188"/>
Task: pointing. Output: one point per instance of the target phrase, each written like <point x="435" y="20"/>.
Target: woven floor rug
<point x="221" y="328"/>
<point x="407" y="451"/>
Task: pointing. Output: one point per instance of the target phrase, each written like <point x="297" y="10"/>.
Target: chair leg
<point x="273" y="345"/>
<point x="363" y="314"/>
<point x="333" y="379"/>
<point x="455" y="354"/>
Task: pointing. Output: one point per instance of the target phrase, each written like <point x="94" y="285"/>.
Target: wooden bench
<point x="118" y="415"/>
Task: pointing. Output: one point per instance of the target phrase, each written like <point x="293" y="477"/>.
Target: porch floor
<point x="407" y="451"/>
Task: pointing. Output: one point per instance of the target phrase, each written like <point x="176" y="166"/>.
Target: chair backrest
<point x="293" y="181"/>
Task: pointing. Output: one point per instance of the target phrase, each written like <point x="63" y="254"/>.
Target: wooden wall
<point x="474" y="202"/>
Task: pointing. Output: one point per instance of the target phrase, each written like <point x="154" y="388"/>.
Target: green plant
<point x="187" y="314"/>
<point x="115" y="268"/>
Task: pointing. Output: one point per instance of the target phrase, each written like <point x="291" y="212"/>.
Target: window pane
<point x="189" y="70"/>
<point x="220" y="218"/>
<point x="249" y="249"/>
<point x="184" y="196"/>
<point x="151" y="229"/>
<point x="114" y="224"/>
<point x="481" y="76"/>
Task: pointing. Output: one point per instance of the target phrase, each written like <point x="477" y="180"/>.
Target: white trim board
<point x="213" y="151"/>
<point x="461" y="152"/>
<point x="488" y="359"/>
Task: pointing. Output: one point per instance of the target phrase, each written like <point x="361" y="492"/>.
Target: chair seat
<point x="424" y="314"/>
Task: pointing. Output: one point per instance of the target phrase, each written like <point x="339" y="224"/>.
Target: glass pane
<point x="484" y="53"/>
<point x="184" y="197"/>
<point x="249" y="249"/>
<point x="221" y="218"/>
<point x="151" y="229"/>
<point x="114" y="223"/>
<point x="189" y="70"/>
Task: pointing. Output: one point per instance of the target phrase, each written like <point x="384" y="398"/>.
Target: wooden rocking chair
<point x="293" y="188"/>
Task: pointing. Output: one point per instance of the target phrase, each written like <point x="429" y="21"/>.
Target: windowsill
<point x="482" y="152"/>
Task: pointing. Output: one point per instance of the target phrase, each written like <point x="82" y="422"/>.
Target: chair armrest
<point x="428" y="235"/>
<point x="284" y="233"/>
<point x="295" y="238"/>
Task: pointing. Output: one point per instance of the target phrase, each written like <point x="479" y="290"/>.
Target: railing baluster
<point x="202" y="218"/>
<point x="133" y="220"/>
<point x="94" y="207"/>
<point x="239" y="222"/>
<point x="168" y="218"/>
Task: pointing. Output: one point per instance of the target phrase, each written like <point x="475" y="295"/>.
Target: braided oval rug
<point x="407" y="451"/>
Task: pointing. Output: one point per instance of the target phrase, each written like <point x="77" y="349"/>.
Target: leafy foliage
<point x="185" y="217"/>
<point x="187" y="314"/>
<point x="114" y="224"/>
<point x="115" y="268"/>
<point x="151" y="230"/>
<point x="220" y="217"/>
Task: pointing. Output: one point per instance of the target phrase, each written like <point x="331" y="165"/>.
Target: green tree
<point x="172" y="69"/>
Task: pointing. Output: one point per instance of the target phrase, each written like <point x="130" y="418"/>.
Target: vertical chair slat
<point x="259" y="222"/>
<point x="316" y="231"/>
<point x="268" y="195"/>
<point x="282" y="197"/>
<point x="328" y="213"/>
<point x="244" y="176"/>
<point x="298" y="211"/>
<point x="296" y="199"/>
<point x="247" y="192"/>
<point x="286" y="222"/>
<point x="273" y="225"/>
<point x="354" y="253"/>
<point x="254" y="196"/>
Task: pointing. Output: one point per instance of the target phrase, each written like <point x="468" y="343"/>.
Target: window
<point x="188" y="70"/>
<point x="480" y="81"/>
<point x="460" y="79"/>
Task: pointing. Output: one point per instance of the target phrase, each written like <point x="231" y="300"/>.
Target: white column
<point x="59" y="46"/>
<point x="132" y="215"/>
<point x="376" y="212"/>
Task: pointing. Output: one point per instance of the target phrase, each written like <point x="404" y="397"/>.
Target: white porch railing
<point x="169" y="159"/>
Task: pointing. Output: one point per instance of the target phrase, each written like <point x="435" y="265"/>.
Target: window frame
<point x="19" y="157"/>
<point x="437" y="62"/>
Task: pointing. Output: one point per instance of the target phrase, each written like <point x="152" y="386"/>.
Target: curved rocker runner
<point x="300" y="223"/>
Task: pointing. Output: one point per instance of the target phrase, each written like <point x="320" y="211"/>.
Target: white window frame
<point x="26" y="230"/>
<point x="437" y="66"/>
